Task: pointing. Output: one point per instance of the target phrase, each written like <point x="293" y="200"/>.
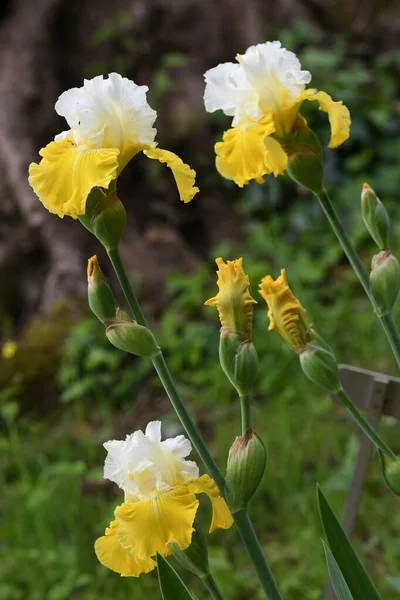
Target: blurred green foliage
<point x="54" y="501"/>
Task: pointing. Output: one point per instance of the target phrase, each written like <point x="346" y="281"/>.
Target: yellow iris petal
<point x="183" y="174"/>
<point x="242" y="155"/>
<point x="148" y="526"/>
<point x="66" y="174"/>
<point x="221" y="516"/>
<point x="286" y="314"/>
<point x="128" y="152"/>
<point x="233" y="301"/>
<point x="111" y="554"/>
<point x="338" y="114"/>
<point x="276" y="158"/>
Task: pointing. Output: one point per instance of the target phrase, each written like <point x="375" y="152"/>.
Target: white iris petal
<point x="108" y="113"/>
<point x="144" y="466"/>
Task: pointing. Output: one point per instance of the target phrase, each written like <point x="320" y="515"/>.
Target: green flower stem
<point x="387" y="322"/>
<point x="212" y="587"/>
<point x="242" y="519"/>
<point x="133" y="303"/>
<point x="256" y="554"/>
<point x="166" y="379"/>
<point x="363" y="423"/>
<point x="245" y="412"/>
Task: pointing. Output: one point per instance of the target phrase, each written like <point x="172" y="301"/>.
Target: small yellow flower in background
<point x="286" y="314"/>
<point x="160" y="503"/>
<point x="110" y="121"/>
<point x="8" y="349"/>
<point x="233" y="301"/>
<point x="263" y="92"/>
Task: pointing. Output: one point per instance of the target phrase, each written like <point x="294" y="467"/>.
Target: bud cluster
<point x="123" y="333"/>
<point x="385" y="268"/>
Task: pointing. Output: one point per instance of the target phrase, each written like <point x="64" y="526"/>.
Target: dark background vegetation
<point x="66" y="390"/>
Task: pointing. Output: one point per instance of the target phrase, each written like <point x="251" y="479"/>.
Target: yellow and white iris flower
<point x="110" y="121"/>
<point x="160" y="501"/>
<point x="263" y="92"/>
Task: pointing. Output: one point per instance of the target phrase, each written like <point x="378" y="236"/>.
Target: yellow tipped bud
<point x="233" y="301"/>
<point x="105" y="217"/>
<point x="305" y="158"/>
<point x="195" y="557"/>
<point x="246" y="465"/>
<point x="132" y="337"/>
<point x="286" y="314"/>
<point x="385" y="281"/>
<point x="375" y="217"/>
<point x="101" y="299"/>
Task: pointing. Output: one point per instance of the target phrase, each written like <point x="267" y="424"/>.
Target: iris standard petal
<point x="221" y="516"/>
<point x="148" y="526"/>
<point x="285" y="312"/>
<point x="111" y="554"/>
<point x="66" y="174"/>
<point x="233" y="301"/>
<point x="242" y="155"/>
<point x="183" y="174"/>
<point x="338" y="114"/>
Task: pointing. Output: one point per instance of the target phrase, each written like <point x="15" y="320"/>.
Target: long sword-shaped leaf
<point x="338" y="582"/>
<point x="171" y="585"/>
<point x="356" y="577"/>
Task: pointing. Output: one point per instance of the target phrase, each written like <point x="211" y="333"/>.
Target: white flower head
<point x="266" y="78"/>
<point x="107" y="113"/>
<point x="143" y="465"/>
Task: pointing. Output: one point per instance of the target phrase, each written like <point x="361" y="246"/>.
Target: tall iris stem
<point x="245" y="412"/>
<point x="212" y="587"/>
<point x="363" y="423"/>
<point x="242" y="519"/>
<point x="387" y="322"/>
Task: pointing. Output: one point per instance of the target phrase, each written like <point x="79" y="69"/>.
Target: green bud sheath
<point x="246" y="465"/>
<point x="391" y="471"/>
<point x="239" y="360"/>
<point x="195" y="557"/>
<point x="375" y="217"/>
<point x="305" y="158"/>
<point x="132" y="338"/>
<point x="101" y="299"/>
<point x="385" y="281"/>
<point x="319" y="364"/>
<point x="105" y="217"/>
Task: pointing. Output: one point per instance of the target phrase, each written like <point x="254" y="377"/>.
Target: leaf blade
<point x="171" y="585"/>
<point x="339" y="584"/>
<point x="356" y="577"/>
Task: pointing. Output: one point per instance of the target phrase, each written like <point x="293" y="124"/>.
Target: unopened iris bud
<point x="375" y="217"/>
<point x="391" y="472"/>
<point x="319" y="364"/>
<point x="239" y="360"/>
<point x="195" y="557"/>
<point x="385" y="281"/>
<point x="237" y="354"/>
<point x="105" y="217"/>
<point x="101" y="299"/>
<point x="246" y="465"/>
<point x="304" y="152"/>
<point x="132" y="337"/>
<point x="285" y="312"/>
